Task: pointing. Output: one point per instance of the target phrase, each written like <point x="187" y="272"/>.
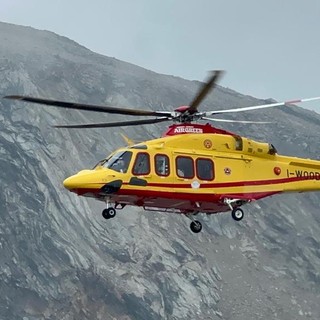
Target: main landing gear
<point x="234" y="204"/>
<point x="237" y="214"/>
<point x="196" y="226"/>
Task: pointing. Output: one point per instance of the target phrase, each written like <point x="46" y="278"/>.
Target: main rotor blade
<point x="89" y="107"/>
<point x="205" y="89"/>
<point x="263" y="106"/>
<point x="113" y="124"/>
<point x="236" y="121"/>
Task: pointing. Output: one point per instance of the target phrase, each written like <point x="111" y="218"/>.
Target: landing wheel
<point x="237" y="214"/>
<point x="196" y="226"/>
<point x="109" y="213"/>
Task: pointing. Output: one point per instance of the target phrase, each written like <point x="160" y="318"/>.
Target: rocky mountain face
<point x="61" y="260"/>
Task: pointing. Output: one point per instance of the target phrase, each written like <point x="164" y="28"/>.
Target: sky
<point x="269" y="49"/>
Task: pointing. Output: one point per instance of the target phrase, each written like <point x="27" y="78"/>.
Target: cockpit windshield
<point x="118" y="162"/>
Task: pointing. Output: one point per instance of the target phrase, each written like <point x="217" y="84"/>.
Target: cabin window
<point x="119" y="162"/>
<point x="142" y="164"/>
<point x="205" y="169"/>
<point x="184" y="167"/>
<point x="161" y="163"/>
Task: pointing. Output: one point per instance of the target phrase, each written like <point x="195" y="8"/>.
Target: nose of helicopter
<point x="78" y="180"/>
<point x="71" y="183"/>
<point x="87" y="181"/>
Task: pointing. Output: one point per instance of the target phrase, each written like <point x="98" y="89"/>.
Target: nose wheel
<point x="109" y="213"/>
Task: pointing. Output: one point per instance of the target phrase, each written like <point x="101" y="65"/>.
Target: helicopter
<point x="193" y="168"/>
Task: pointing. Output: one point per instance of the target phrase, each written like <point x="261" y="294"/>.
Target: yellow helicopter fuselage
<point x="222" y="170"/>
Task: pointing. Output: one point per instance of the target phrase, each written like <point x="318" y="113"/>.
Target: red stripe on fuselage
<point x="208" y="197"/>
<point x="225" y="184"/>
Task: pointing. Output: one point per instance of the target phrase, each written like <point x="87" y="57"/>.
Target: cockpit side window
<point x="141" y="164"/>
<point x="119" y="162"/>
<point x="161" y="162"/>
